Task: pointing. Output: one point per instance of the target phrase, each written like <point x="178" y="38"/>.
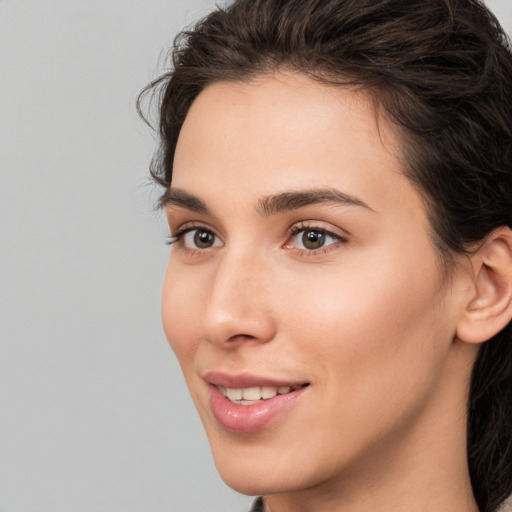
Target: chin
<point x="257" y="483"/>
<point x="253" y="472"/>
<point x="248" y="486"/>
<point x="244" y="471"/>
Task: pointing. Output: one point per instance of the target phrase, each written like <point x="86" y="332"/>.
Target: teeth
<point x="251" y="396"/>
<point x="251" y="393"/>
<point x="234" y="394"/>
<point x="268" y="392"/>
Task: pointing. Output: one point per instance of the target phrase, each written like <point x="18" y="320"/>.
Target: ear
<point x="489" y="307"/>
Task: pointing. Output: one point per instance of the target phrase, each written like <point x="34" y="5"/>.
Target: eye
<point x="196" y="238"/>
<point x="312" y="238"/>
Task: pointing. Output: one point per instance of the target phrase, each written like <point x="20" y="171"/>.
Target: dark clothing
<point x="257" y="506"/>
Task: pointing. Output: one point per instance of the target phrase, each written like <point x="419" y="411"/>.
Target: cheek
<point x="372" y="327"/>
<point x="180" y="309"/>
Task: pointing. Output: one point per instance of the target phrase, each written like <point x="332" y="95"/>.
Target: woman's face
<point x="303" y="284"/>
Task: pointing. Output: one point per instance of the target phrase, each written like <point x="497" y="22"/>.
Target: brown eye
<point x="198" y="238"/>
<point x="312" y="239"/>
<point x="203" y="239"/>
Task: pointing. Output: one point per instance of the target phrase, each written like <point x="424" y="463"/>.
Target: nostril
<point x="241" y="337"/>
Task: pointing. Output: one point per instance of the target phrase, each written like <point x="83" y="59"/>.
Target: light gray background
<point x="94" y="414"/>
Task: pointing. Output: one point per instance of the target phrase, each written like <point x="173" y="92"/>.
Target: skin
<point x="369" y="320"/>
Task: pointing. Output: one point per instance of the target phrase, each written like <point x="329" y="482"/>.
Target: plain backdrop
<point x="94" y="413"/>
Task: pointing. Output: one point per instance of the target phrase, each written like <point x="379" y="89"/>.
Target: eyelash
<point x="291" y="233"/>
<point x="303" y="227"/>
<point x="180" y="233"/>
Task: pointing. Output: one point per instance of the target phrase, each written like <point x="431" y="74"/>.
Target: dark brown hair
<point x="442" y="71"/>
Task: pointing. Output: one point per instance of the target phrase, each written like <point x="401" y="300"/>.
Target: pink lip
<point x="246" y="419"/>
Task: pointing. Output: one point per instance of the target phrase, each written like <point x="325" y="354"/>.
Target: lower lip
<point x="246" y="419"/>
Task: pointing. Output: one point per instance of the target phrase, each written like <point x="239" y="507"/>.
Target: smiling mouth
<point x="256" y="394"/>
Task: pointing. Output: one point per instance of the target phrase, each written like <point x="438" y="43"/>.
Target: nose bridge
<point x="237" y="307"/>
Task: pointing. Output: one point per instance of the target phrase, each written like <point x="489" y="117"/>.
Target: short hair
<point x="441" y="70"/>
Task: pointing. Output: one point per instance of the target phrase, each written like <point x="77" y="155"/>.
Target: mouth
<point x="256" y="394"/>
<point x="246" y="404"/>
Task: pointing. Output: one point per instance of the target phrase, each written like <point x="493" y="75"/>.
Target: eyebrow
<point x="283" y="202"/>
<point x="294" y="200"/>
<point x="178" y="197"/>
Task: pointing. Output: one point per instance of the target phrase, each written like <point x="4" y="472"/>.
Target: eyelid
<point x="187" y="226"/>
<point x="319" y="226"/>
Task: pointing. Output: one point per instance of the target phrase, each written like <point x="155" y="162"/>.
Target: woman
<point x="338" y="183"/>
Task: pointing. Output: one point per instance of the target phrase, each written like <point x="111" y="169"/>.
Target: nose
<point x="238" y="308"/>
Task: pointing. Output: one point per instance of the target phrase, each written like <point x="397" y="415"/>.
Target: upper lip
<point x="247" y="380"/>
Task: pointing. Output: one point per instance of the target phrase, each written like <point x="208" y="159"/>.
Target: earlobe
<point x="489" y="308"/>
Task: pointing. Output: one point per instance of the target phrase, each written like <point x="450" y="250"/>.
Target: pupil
<point x="203" y="239"/>
<point x="313" y="239"/>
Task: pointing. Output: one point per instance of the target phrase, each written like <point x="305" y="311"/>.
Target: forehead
<point x="285" y="132"/>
